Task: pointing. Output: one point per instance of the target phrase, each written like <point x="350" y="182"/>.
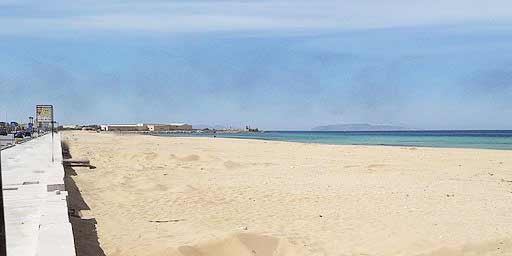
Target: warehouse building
<point x="147" y="127"/>
<point x="169" y="127"/>
<point x="124" y="127"/>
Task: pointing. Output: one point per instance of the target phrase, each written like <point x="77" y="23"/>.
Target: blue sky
<point x="269" y="64"/>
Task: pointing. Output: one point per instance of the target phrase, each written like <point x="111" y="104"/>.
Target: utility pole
<point x="3" y="246"/>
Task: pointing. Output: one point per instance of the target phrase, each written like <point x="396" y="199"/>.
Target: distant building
<point x="70" y="127"/>
<point x="169" y="127"/>
<point x="124" y="127"/>
<point x="249" y="129"/>
<point x="147" y="127"/>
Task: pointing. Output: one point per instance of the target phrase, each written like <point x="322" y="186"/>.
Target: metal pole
<point x="53" y="159"/>
<point x="3" y="246"/>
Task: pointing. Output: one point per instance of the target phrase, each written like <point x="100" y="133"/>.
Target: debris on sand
<point x="165" y="221"/>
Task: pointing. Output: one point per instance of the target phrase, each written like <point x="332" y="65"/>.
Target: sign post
<point x="53" y="158"/>
<point x="44" y="116"/>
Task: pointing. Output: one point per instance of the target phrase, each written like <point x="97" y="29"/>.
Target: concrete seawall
<point x="36" y="211"/>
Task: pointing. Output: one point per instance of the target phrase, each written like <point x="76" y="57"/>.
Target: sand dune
<point x="204" y="196"/>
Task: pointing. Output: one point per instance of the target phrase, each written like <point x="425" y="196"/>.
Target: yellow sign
<point x="44" y="113"/>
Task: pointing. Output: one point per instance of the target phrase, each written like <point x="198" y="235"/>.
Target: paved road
<point x="4" y="140"/>
<point x="9" y="139"/>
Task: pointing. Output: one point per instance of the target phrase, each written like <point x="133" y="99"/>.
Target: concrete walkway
<point x="36" y="212"/>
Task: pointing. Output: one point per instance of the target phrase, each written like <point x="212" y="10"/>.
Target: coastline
<point x="157" y="195"/>
<point x="478" y="139"/>
<point x="331" y="144"/>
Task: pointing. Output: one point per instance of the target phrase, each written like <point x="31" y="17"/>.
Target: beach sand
<point x="213" y="196"/>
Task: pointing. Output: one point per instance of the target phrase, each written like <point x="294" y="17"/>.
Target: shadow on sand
<point x="84" y="230"/>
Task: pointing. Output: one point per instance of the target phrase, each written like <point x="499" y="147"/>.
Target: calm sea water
<point x="453" y="139"/>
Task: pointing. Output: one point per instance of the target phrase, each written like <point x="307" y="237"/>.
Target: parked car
<point x="3" y="132"/>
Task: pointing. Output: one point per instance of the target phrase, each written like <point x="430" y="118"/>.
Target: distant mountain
<point x="360" y="127"/>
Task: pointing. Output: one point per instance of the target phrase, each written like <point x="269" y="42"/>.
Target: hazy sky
<point x="432" y="64"/>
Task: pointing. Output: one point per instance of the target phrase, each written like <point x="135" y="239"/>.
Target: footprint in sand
<point x="375" y="166"/>
<point x="231" y="165"/>
<point x="150" y="156"/>
<point x="190" y="158"/>
<point x="243" y="244"/>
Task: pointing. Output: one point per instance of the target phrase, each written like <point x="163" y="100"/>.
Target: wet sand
<point x="205" y="196"/>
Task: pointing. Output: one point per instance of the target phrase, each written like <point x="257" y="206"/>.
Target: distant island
<point x="360" y="127"/>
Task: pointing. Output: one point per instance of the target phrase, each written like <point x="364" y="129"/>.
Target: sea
<point x="480" y="139"/>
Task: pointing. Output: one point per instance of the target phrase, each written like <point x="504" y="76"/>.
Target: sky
<point x="275" y="65"/>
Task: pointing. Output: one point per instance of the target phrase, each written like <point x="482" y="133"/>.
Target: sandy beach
<point x="211" y="196"/>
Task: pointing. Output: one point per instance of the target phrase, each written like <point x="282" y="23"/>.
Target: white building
<point x="124" y="127"/>
<point x="147" y="127"/>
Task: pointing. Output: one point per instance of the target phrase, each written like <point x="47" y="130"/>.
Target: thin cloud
<point x="32" y="17"/>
